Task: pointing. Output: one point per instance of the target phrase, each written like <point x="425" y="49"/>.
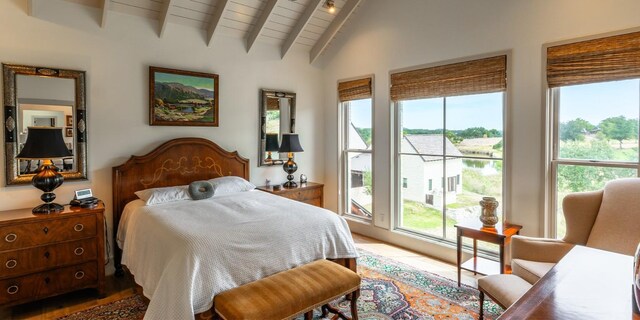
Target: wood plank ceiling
<point x="285" y="23"/>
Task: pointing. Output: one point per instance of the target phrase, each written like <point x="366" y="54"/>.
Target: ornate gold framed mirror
<point x="277" y="116"/>
<point x="49" y="97"/>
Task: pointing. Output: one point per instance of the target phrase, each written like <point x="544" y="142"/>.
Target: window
<point x="356" y="148"/>
<point x="451" y="136"/>
<point x="594" y="122"/>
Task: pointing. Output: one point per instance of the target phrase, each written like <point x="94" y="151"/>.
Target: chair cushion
<point x="531" y="271"/>
<point x="504" y="289"/>
<point x="617" y="226"/>
<point x="288" y="293"/>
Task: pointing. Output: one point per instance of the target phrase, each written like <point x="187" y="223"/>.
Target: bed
<point x="157" y="252"/>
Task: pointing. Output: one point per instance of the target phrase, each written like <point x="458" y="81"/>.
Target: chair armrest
<point x="580" y="211"/>
<point x="539" y="249"/>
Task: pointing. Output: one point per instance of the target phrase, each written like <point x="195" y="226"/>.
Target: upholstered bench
<point x="290" y="293"/>
<point x="503" y="289"/>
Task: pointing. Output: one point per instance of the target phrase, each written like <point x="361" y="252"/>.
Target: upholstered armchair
<point x="607" y="219"/>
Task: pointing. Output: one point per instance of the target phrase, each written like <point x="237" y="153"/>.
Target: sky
<point x="592" y="102"/>
<point x="598" y="101"/>
<point x="196" y="82"/>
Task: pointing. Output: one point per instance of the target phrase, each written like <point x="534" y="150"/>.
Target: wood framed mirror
<point x="277" y="116"/>
<point x="50" y="97"/>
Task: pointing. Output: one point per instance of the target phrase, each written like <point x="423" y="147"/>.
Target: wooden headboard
<point x="175" y="162"/>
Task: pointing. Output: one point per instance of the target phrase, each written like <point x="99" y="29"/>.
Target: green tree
<point x="368" y="182"/>
<point x="575" y="129"/>
<point x="573" y="178"/>
<point x="619" y="128"/>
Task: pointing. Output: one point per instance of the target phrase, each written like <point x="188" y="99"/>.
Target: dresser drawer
<point x="48" y="283"/>
<point x="310" y="196"/>
<point x="43" y="232"/>
<point x="13" y="263"/>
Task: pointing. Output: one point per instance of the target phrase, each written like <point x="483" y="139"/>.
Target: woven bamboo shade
<point x="355" y="89"/>
<point x="604" y="59"/>
<point x="469" y="77"/>
<point x="273" y="104"/>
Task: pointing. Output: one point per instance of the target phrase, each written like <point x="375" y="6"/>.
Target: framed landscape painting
<point x="182" y="98"/>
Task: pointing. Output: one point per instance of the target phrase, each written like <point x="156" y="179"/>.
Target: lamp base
<point x="290" y="184"/>
<point x="47" y="208"/>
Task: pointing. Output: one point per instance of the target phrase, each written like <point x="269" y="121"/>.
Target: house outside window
<point x="356" y="115"/>
<point x="405" y="182"/>
<point x="450" y="135"/>
<point x="593" y="123"/>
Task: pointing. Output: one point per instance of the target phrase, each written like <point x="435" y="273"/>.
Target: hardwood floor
<point x="118" y="288"/>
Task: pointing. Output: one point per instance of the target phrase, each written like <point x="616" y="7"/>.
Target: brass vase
<point x="488" y="216"/>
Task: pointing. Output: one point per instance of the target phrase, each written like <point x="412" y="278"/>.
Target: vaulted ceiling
<point x="286" y="23"/>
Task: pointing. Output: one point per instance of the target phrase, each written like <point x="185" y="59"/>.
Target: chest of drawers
<point x="310" y="193"/>
<point x="47" y="255"/>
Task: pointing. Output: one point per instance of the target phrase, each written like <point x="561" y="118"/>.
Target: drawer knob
<point x="47" y="280"/>
<point x="78" y="251"/>
<point x="11" y="237"/>
<point x="47" y="254"/>
<point x="11" y="264"/>
<point x="45" y="230"/>
<point x="79" y="275"/>
<point x="13" y="289"/>
<point x="78" y="227"/>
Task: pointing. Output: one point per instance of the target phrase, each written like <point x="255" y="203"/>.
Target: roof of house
<point x="431" y="144"/>
<point x="480" y="142"/>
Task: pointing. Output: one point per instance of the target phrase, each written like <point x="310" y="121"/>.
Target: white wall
<point x="389" y="35"/>
<point x="116" y="60"/>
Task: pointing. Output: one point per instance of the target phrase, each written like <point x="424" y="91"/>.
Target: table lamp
<point x="290" y="144"/>
<point x="271" y="145"/>
<point x="44" y="143"/>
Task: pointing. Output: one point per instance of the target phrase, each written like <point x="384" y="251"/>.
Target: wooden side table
<point x="500" y="235"/>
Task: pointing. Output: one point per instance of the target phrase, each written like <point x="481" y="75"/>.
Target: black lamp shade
<point x="272" y="142"/>
<point x="44" y="143"/>
<point x="290" y="143"/>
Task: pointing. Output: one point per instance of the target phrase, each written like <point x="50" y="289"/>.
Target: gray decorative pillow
<point x="199" y="190"/>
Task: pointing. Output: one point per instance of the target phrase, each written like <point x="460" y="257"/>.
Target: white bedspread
<point x="184" y="253"/>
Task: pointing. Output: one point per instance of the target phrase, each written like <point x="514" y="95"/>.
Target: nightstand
<point x="309" y="192"/>
<point x="500" y="235"/>
<point x="50" y="254"/>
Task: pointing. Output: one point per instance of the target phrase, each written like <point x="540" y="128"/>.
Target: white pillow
<point x="155" y="196"/>
<point x="224" y="185"/>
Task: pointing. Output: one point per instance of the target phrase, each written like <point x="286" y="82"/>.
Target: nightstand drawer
<point x="47" y="283"/>
<point x="311" y="196"/>
<point x="38" y="233"/>
<point x="13" y="263"/>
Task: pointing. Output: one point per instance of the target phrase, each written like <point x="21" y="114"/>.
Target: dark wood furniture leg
<point x="459" y="254"/>
<point x="502" y="269"/>
<point x="475" y="257"/>
<point x="481" y="315"/>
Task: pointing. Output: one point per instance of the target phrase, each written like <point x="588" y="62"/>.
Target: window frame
<point x="344" y="173"/>
<point x="506" y="171"/>
<point x="553" y="161"/>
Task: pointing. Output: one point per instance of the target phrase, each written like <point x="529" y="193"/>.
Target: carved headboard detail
<point x="175" y="162"/>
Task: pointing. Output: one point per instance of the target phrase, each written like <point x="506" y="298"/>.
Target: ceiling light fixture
<point x="330" y="5"/>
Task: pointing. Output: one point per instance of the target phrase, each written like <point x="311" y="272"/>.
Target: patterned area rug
<point x="390" y="290"/>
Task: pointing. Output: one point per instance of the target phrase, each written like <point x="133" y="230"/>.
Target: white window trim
<point x="552" y="161"/>
<point x="343" y="174"/>
<point x="397" y="181"/>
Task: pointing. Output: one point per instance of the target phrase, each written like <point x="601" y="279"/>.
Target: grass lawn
<point x="419" y="216"/>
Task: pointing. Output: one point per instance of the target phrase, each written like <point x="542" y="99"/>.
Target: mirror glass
<point x="44" y="97"/>
<point x="45" y="102"/>
<point x="277" y="113"/>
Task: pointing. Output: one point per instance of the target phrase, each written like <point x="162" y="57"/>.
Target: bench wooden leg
<point x="354" y="304"/>
<point x="308" y="315"/>
<point x="481" y="316"/>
